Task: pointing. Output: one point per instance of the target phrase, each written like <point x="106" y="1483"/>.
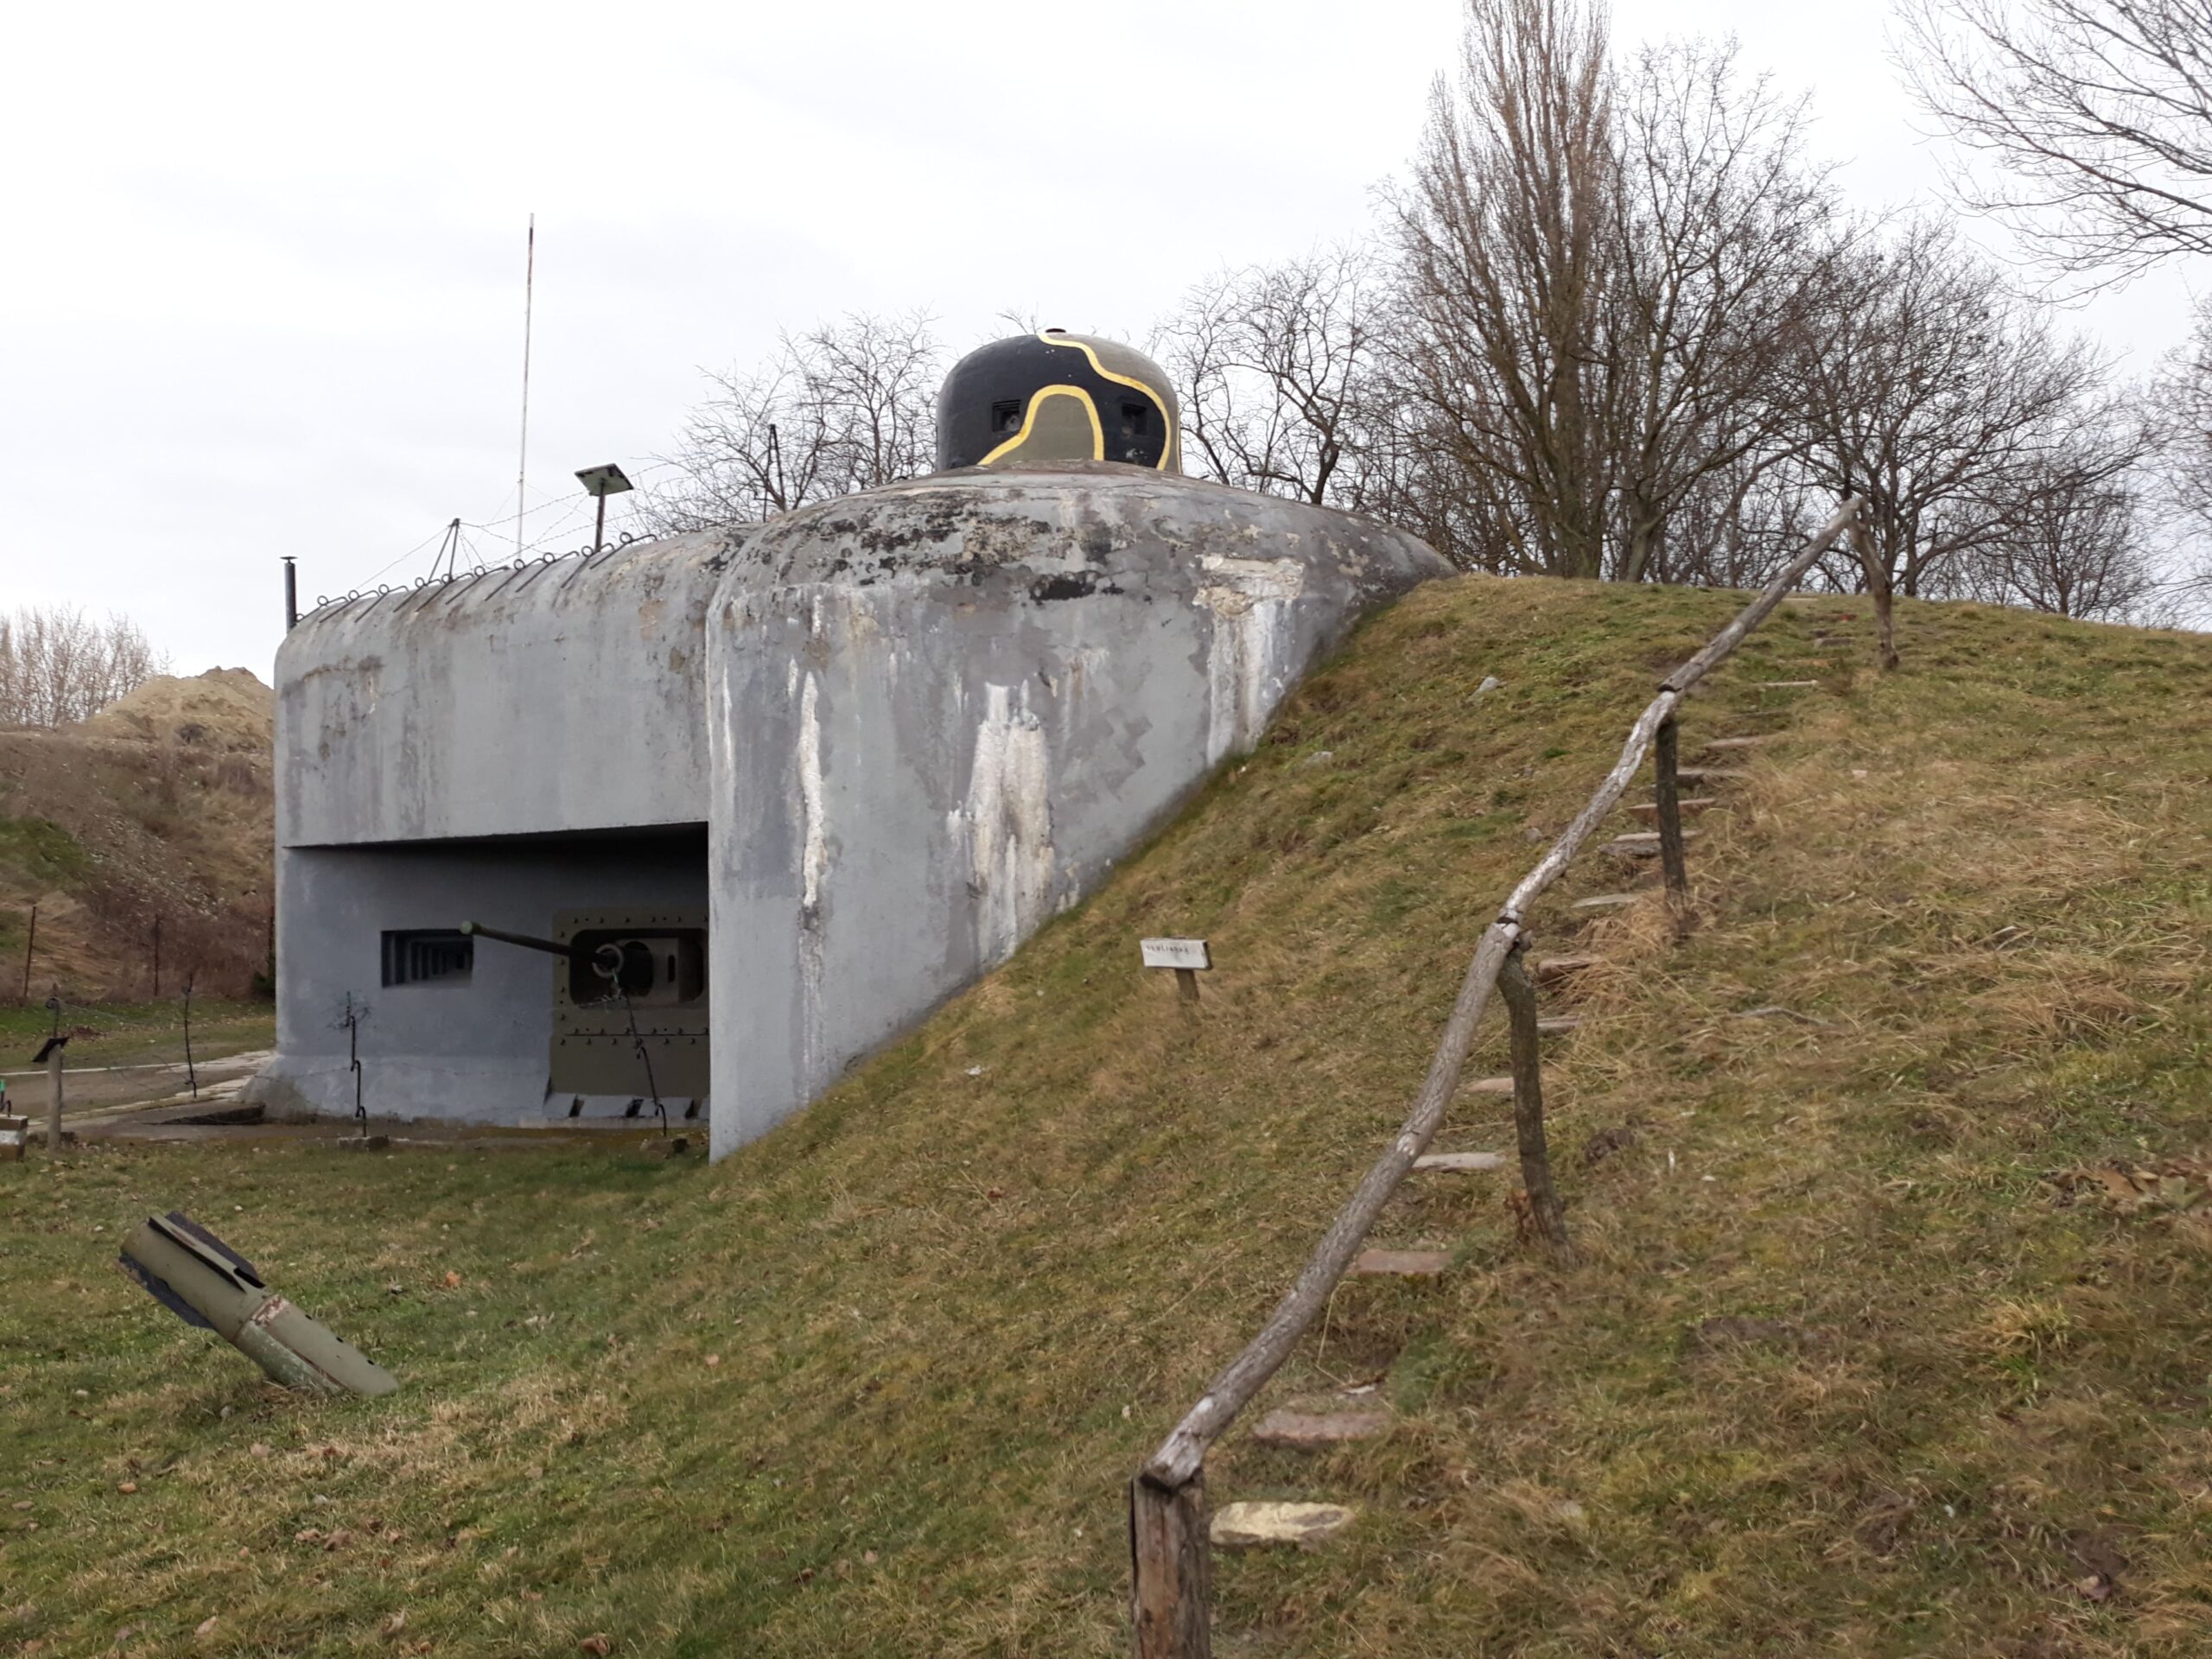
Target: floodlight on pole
<point x="603" y="481"/>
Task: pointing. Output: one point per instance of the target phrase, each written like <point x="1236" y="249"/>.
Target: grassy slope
<point x="873" y="1387"/>
<point x="158" y="807"/>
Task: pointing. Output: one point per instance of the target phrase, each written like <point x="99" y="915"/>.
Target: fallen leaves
<point x="2171" y="1187"/>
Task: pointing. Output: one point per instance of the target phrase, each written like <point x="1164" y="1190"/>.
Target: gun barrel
<point x="529" y="942"/>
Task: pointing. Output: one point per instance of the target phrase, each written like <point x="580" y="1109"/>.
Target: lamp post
<point x="601" y="482"/>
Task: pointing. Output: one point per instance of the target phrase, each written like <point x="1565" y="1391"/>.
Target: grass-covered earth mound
<point x="1888" y="1332"/>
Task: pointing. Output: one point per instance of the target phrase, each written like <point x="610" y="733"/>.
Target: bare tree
<point x="1279" y="368"/>
<point x="2183" y="393"/>
<point x="57" y="664"/>
<point x="843" y="407"/>
<point x="1727" y="250"/>
<point x="1934" y="393"/>
<point x="1740" y="523"/>
<point x="1506" y="229"/>
<point x="2096" y="113"/>
<point x="2073" y="541"/>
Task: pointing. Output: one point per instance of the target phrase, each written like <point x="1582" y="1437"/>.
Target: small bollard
<point x="49" y="1054"/>
<point x="15" y="1134"/>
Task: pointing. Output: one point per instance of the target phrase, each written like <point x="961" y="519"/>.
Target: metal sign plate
<point x="1175" y="953"/>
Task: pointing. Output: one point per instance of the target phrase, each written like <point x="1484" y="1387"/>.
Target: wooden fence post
<point x="1667" y="791"/>
<point x="54" y="1096"/>
<point x="1520" y="995"/>
<point x="1171" y="1571"/>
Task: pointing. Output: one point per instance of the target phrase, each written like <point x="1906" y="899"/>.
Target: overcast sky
<point x="265" y="296"/>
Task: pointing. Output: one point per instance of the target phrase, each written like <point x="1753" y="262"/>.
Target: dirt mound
<point x="225" y="708"/>
<point x="157" y="810"/>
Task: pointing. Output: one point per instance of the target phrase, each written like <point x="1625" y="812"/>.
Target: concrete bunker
<point x="822" y="771"/>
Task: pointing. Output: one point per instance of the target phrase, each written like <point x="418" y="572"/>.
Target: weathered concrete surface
<point x="492" y="750"/>
<point x="939" y="711"/>
<point x="561" y="696"/>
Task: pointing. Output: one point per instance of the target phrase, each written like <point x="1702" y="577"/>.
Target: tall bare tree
<point x="57" y="664"/>
<point x="1506" y="227"/>
<point x="843" y="407"/>
<point x="1728" y="252"/>
<point x="2097" y="115"/>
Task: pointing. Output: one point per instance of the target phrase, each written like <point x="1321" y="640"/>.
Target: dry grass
<point x="1859" y="1358"/>
<point x="158" y="806"/>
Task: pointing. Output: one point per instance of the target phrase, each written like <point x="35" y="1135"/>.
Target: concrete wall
<point x="563" y="695"/>
<point x="475" y="1051"/>
<point x="940" y="711"/>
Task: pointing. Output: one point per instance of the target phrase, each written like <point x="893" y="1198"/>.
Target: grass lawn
<point x="1871" y="1348"/>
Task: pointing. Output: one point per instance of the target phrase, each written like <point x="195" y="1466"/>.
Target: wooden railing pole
<point x="1166" y="1509"/>
<point x="1667" y="791"/>
<point x="1171" y="1571"/>
<point x="1519" y="994"/>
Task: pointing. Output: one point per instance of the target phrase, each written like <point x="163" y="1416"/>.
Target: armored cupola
<point x="1035" y="400"/>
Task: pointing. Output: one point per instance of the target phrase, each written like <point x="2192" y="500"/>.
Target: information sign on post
<point x="1188" y="957"/>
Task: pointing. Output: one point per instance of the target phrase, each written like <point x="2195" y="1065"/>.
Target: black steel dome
<point x="1035" y="399"/>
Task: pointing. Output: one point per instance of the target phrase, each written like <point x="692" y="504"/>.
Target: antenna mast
<point x="521" y="465"/>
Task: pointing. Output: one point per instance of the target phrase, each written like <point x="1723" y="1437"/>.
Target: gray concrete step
<point x="1399" y="1264"/>
<point x="1606" y="901"/>
<point x="1642" y="843"/>
<point x="1687" y="803"/>
<point x="1314" y="1431"/>
<point x="1255" y="1526"/>
<point x="1461" y="1163"/>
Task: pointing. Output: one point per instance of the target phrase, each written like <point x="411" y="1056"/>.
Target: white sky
<point x="264" y="286"/>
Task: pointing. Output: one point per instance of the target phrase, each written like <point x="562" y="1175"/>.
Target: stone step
<point x="1550" y="971"/>
<point x="1488" y="1086"/>
<point x="1399" y="1264"/>
<point x="1255" y="1526"/>
<point x="1708" y="775"/>
<point x="1606" y="901"/>
<point x="1787" y="685"/>
<point x="1312" y="1431"/>
<point x="1461" y="1163"/>
<point x="1642" y="843"/>
<point x="1688" y="804"/>
<point x="1558" y="1025"/>
<point x="1736" y="742"/>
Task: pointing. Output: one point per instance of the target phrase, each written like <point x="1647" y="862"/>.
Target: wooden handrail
<point x="1182" y="1454"/>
